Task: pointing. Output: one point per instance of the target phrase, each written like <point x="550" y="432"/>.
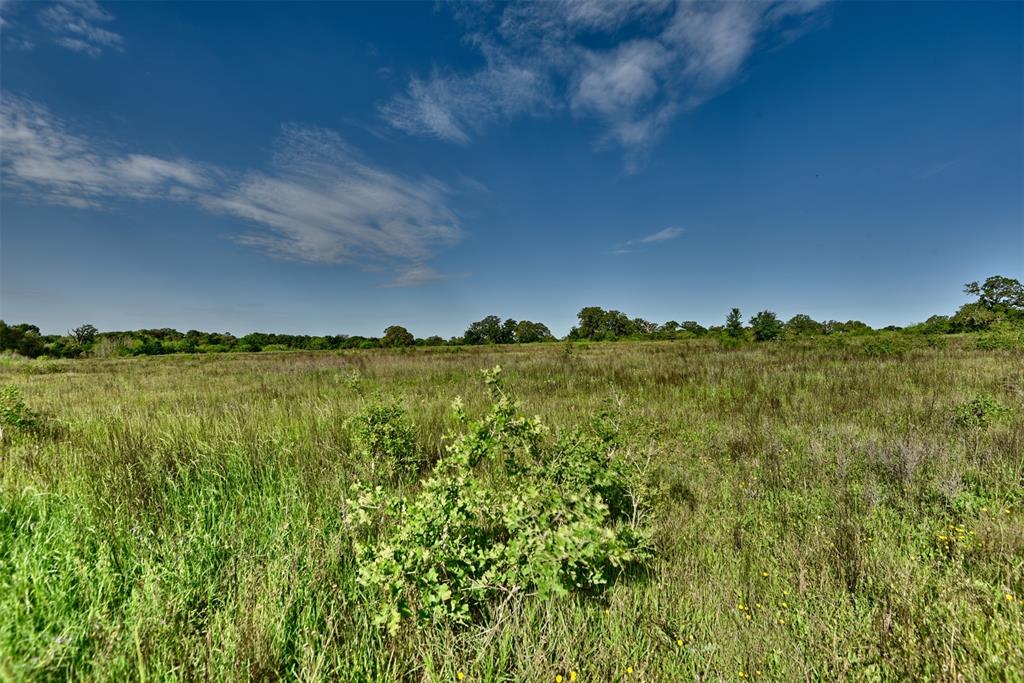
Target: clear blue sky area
<point x="339" y="167"/>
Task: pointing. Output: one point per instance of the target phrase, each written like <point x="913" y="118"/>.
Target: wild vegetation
<point x="820" y="507"/>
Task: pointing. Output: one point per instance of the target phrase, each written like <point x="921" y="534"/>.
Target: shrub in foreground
<point x="503" y="514"/>
<point x="15" y="416"/>
<point x="384" y="440"/>
<point x="979" y="412"/>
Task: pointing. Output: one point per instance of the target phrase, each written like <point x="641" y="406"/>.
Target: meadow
<point x="810" y="512"/>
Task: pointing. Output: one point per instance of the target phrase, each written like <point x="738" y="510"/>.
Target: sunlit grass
<point x="825" y="516"/>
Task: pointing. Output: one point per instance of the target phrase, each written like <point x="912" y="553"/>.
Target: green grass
<point x="182" y="517"/>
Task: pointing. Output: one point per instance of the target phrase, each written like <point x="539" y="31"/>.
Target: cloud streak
<point x="75" y="25"/>
<point x="318" y="201"/>
<point x="639" y="243"/>
<point x="45" y="159"/>
<point x="661" y="236"/>
<point x="657" y="59"/>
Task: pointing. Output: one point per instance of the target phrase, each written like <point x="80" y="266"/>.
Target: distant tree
<point x="591" y="323"/>
<point x="856" y="327"/>
<point x="766" y="326"/>
<point x="937" y="324"/>
<point x="597" y="323"/>
<point x="644" y="327"/>
<point x="508" y="332"/>
<point x="693" y="328"/>
<point x="734" y="324"/>
<point x="84" y="335"/>
<point x="849" y="327"/>
<point x="396" y="335"/>
<point x="23" y="339"/>
<point x="804" y="326"/>
<point x="254" y="341"/>
<point x="486" y="331"/>
<point x="528" y="332"/>
<point x="668" y="329"/>
<point x="999" y="298"/>
<point x="433" y="340"/>
<point x="998" y="293"/>
<point x="973" y="317"/>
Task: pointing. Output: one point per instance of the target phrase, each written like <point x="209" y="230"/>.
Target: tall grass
<point x="824" y="515"/>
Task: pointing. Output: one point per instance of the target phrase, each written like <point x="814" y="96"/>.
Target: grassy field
<point x="815" y="514"/>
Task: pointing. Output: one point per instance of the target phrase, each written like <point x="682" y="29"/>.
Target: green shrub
<point x="14" y="414"/>
<point x="979" y="412"/>
<point x="384" y="441"/>
<point x="884" y="345"/>
<point x="503" y="514"/>
<point x="1003" y="335"/>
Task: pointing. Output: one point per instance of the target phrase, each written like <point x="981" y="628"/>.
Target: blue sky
<point x="336" y="168"/>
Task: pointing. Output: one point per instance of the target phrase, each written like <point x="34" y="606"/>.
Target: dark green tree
<point x="486" y="331"/>
<point x="528" y="332"/>
<point x="597" y="323"/>
<point x="23" y="339"/>
<point x="396" y="335"/>
<point x="998" y="293"/>
<point x="734" y="324"/>
<point x="804" y="326"/>
<point x="766" y="326"/>
<point x="999" y="298"/>
<point x="694" y="328"/>
<point x="85" y="334"/>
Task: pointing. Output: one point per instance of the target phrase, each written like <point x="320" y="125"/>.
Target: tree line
<point x="999" y="301"/>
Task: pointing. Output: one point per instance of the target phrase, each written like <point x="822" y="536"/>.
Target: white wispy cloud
<point x="12" y="31"/>
<point x="539" y="58"/>
<point x="639" y="243"/>
<point x="661" y="235"/>
<point x="317" y="201"/>
<point x="933" y="170"/>
<point x="44" y="158"/>
<point x="321" y="203"/>
<point x="503" y="89"/>
<point x="76" y="25"/>
<point x="421" y="274"/>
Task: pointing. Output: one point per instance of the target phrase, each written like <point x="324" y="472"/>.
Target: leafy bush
<point x="384" y="440"/>
<point x="884" y="345"/>
<point x="1003" y="335"/>
<point x="979" y="412"/>
<point x="503" y="514"/>
<point x="14" y="414"/>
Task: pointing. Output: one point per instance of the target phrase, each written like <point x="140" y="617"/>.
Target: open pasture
<point x="811" y="513"/>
